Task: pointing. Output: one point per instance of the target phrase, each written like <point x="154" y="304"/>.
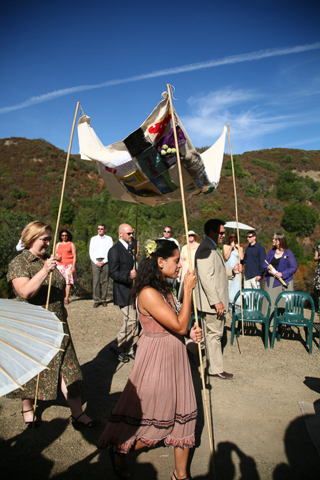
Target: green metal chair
<point x="251" y="305"/>
<point x="293" y="315"/>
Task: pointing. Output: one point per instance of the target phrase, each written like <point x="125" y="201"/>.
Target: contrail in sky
<point x="245" y="57"/>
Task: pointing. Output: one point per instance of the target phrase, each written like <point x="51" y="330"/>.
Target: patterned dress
<point x="317" y="272"/>
<point x="27" y="265"/>
<point x="158" y="403"/>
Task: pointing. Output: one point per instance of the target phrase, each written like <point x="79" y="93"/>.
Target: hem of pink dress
<point x="187" y="442"/>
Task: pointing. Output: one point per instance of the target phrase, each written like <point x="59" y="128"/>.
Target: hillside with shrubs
<point x="277" y="190"/>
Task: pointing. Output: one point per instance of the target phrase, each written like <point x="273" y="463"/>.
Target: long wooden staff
<point x="135" y="326"/>
<point x="238" y="235"/>
<point x="190" y="263"/>
<point x="55" y="241"/>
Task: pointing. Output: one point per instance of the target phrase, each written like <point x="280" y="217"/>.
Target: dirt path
<point x="259" y="431"/>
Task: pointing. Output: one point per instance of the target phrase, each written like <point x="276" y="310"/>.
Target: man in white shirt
<point x="167" y="235"/>
<point x="98" y="251"/>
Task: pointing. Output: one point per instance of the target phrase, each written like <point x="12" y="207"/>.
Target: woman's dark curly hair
<point x="67" y="232"/>
<point x="149" y="273"/>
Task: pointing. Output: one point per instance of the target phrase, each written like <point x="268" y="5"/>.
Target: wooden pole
<point x="238" y="235"/>
<point x="61" y="199"/>
<point x="55" y="238"/>
<point x="190" y="264"/>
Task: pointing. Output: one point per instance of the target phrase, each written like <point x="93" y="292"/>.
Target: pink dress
<point x="158" y="403"/>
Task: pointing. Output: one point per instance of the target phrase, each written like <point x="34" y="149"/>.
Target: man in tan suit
<point x="212" y="294"/>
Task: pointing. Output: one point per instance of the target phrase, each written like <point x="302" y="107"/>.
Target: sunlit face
<point x="167" y="233"/>
<point x="126" y="233"/>
<point x="276" y="242"/>
<point x="251" y="239"/>
<point x="101" y="230"/>
<point x="41" y="244"/>
<point x="64" y="236"/>
<point x="171" y="266"/>
<point x="191" y="238"/>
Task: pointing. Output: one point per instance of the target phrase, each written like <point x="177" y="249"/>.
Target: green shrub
<point x="287" y="159"/>
<point x="30" y="173"/>
<point x="16" y="193"/>
<point x="273" y="205"/>
<point x="271" y="166"/>
<point x="316" y="196"/>
<point x="305" y="160"/>
<point x="49" y="168"/>
<point x="239" y="171"/>
<point x="47" y="177"/>
<point x="67" y="211"/>
<point x="300" y="219"/>
<point x="291" y="186"/>
<point x="8" y="204"/>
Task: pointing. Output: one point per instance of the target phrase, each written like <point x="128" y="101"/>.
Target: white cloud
<point x="252" y="116"/>
<point x="233" y="59"/>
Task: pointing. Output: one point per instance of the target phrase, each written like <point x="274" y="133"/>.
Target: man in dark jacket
<point x="122" y="272"/>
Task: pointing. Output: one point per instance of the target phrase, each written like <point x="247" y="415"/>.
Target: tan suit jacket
<point x="212" y="275"/>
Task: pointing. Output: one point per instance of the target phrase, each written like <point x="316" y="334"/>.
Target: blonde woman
<point x="29" y="273"/>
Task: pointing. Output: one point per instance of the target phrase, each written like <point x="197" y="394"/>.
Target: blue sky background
<point x="254" y="64"/>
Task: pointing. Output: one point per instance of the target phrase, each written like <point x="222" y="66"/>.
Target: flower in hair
<point x="150" y="248"/>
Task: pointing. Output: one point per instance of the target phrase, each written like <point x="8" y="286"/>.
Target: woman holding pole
<point x="29" y="273"/>
<point x="158" y="402"/>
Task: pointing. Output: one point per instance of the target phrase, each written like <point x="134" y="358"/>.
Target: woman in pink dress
<point x="66" y="254"/>
<point x="158" y="403"/>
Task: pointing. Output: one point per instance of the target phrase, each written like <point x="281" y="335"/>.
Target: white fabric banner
<point x="143" y="167"/>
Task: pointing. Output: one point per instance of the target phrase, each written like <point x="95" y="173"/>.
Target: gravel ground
<point x="258" y="429"/>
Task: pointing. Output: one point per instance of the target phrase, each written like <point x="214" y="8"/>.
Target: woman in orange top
<point x="66" y="254"/>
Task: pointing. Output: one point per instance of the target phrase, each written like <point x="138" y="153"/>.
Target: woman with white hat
<point x="184" y="259"/>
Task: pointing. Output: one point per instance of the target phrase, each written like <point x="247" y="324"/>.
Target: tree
<point x="67" y="211"/>
<point x="300" y="219"/>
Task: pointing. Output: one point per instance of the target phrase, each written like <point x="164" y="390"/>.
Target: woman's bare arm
<point x="151" y="303"/>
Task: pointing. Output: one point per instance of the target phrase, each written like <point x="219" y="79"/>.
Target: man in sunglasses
<point x="167" y="235"/>
<point x="212" y="294"/>
<point x="98" y="251"/>
<point x="122" y="271"/>
<point x="254" y="258"/>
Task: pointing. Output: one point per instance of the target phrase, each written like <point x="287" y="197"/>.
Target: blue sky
<point x="254" y="64"/>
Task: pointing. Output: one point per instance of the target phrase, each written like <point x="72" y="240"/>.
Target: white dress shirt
<point x="99" y="248"/>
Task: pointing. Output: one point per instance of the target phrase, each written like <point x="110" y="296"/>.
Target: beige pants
<point x="128" y="335"/>
<point x="213" y="327"/>
<point x="252" y="283"/>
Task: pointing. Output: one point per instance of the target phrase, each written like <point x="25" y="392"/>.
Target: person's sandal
<point x="35" y="422"/>
<point x="77" y="425"/>
<point x="119" y="471"/>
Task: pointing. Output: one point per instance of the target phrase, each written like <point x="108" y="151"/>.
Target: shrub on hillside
<point x="291" y="186"/>
<point x="67" y="211"/>
<point x="239" y="171"/>
<point x="287" y="159"/>
<point x="16" y="193"/>
<point x="300" y="219"/>
<point x="271" y="166"/>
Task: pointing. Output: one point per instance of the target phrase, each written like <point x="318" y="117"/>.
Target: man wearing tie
<point x="122" y="271"/>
